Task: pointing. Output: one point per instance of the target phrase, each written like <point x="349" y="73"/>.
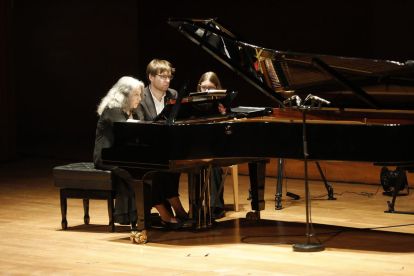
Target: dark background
<point x="59" y="58"/>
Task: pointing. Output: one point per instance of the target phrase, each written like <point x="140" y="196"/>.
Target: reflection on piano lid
<point x="212" y="105"/>
<point x="348" y="83"/>
<point x="201" y="96"/>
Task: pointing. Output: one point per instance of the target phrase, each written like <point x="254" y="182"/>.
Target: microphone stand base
<point x="308" y="247"/>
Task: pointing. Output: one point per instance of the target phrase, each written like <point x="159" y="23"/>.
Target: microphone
<point x="316" y="98"/>
<point x="294" y="97"/>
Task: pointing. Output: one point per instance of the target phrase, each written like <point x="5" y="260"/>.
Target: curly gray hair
<point x="119" y="94"/>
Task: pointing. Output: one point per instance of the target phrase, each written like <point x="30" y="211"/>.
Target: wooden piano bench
<point x="84" y="181"/>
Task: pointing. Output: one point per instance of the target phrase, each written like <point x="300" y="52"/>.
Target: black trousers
<point x="216" y="178"/>
<point x="125" y="205"/>
<point x="164" y="186"/>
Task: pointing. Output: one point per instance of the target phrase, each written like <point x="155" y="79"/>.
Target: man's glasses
<point x="205" y="88"/>
<point x="165" y="77"/>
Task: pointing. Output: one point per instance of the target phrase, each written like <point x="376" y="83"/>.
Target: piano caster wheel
<point x="253" y="215"/>
<point x="64" y="224"/>
<point x="87" y="220"/>
<point x="138" y="236"/>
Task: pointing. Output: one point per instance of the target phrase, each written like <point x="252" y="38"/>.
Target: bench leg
<point x="63" y="209"/>
<point x="257" y="171"/>
<point x="86" y="217"/>
<point x="111" y="211"/>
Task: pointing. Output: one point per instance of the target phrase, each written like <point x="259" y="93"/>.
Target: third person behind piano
<point x="210" y="81"/>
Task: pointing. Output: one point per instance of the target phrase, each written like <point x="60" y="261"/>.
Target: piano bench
<point x="84" y="181"/>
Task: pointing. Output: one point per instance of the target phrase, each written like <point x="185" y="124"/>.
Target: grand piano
<point x="353" y="109"/>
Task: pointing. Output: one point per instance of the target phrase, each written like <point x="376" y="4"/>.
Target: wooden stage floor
<point x="360" y="239"/>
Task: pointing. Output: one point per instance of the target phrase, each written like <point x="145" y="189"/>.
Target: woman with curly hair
<point x="120" y="104"/>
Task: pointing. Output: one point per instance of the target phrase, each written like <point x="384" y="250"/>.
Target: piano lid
<point x="346" y="82"/>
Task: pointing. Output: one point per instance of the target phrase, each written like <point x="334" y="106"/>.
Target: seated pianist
<point x="120" y="104"/>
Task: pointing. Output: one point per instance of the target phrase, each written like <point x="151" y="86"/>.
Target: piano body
<point x="370" y="117"/>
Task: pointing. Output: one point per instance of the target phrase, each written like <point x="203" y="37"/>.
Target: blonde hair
<point x="119" y="95"/>
<point x="158" y="65"/>
<point x="210" y="76"/>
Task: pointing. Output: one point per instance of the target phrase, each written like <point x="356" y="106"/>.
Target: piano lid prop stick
<point x="176" y="107"/>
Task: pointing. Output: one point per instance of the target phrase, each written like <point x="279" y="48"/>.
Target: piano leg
<point x="257" y="172"/>
<point x="279" y="185"/>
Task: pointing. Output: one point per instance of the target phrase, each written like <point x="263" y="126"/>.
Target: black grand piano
<point x="353" y="109"/>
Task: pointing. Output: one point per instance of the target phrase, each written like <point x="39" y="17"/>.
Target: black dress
<point x="164" y="185"/>
<point x="125" y="206"/>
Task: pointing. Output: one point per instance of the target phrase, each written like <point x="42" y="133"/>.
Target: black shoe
<point x="218" y="213"/>
<point x="188" y="221"/>
<point x="171" y="226"/>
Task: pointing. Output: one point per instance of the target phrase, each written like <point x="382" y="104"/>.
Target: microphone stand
<point x="308" y="246"/>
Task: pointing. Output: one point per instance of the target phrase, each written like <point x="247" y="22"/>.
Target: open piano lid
<point x="348" y="83"/>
